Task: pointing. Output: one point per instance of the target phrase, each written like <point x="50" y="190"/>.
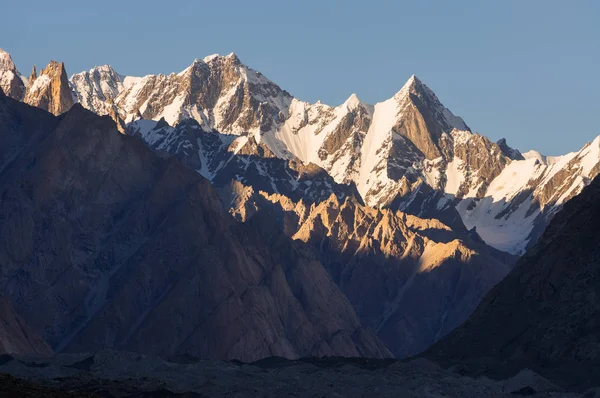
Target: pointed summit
<point x="509" y="152"/>
<point x="413" y="85"/>
<point x="6" y="62"/>
<point x="233" y="58"/>
<point x="33" y="75"/>
<point x="352" y="102"/>
<point x="50" y="90"/>
<point x="11" y="81"/>
<point x="425" y="120"/>
<point x="413" y="80"/>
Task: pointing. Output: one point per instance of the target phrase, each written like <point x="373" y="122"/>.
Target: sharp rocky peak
<point x="33" y="75"/>
<point x="50" y="90"/>
<point x="508" y="151"/>
<point x="413" y="81"/>
<point x="53" y="67"/>
<point x="352" y="102"/>
<point x="11" y="81"/>
<point x="6" y="62"/>
<point x="412" y="84"/>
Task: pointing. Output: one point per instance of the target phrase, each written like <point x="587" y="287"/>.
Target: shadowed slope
<point x="107" y="245"/>
<point x="546" y="313"/>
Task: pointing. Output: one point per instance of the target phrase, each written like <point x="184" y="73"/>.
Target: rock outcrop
<point x="105" y="244"/>
<point x="50" y="90"/>
<point x="545" y="314"/>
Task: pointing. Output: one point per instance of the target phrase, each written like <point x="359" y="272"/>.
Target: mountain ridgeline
<point x="209" y="212"/>
<point x="407" y="153"/>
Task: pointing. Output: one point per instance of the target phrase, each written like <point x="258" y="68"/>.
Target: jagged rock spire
<point x="50" y="91"/>
<point x="33" y="75"/>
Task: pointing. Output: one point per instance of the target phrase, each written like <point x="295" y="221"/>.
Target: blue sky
<point x="524" y="70"/>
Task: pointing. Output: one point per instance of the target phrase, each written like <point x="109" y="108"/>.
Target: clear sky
<point x="525" y="70"/>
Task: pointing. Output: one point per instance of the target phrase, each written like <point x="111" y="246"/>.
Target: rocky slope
<point x="223" y="158"/>
<point x="50" y="90"/>
<point x="16" y="337"/>
<point x="11" y="81"/>
<point x="546" y="313"/>
<point x="384" y="261"/>
<point x="408" y="153"/>
<point x="104" y="244"/>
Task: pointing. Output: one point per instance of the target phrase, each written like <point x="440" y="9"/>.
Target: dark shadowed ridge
<point x="546" y="313"/>
<point x="106" y="245"/>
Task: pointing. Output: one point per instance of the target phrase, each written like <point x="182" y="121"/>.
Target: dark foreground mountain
<point x="104" y="244"/>
<point x="546" y="313"/>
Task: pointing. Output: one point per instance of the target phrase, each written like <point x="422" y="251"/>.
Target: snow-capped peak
<point x="209" y="58"/>
<point x="412" y="80"/>
<point x="412" y="84"/>
<point x="213" y="57"/>
<point x="11" y="81"/>
<point x="535" y="155"/>
<point x="6" y="62"/>
<point x="352" y="102"/>
<point x="103" y="68"/>
<point x="100" y="69"/>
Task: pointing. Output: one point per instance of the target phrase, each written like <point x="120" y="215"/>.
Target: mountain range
<point x="407" y="153"/>
<point x="376" y="226"/>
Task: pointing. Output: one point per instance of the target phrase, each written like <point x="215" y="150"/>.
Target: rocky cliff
<point x="50" y="90"/>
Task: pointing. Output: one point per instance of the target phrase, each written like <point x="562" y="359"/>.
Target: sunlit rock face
<point x="50" y="90"/>
<point x="411" y="280"/>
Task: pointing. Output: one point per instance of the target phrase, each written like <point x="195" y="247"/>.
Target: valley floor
<point x="117" y="374"/>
